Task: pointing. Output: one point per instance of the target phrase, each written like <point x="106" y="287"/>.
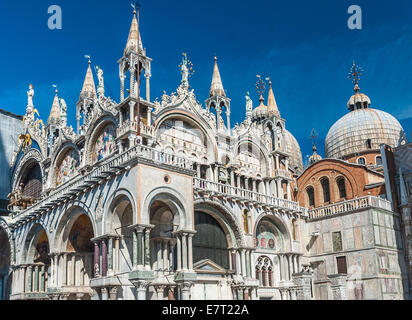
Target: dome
<point x="315" y="157"/>
<point x="362" y="130"/>
<point x="260" y="112"/>
<point x="293" y="148"/>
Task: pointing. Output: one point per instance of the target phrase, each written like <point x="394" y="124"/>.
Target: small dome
<point x="315" y="157"/>
<point x="362" y="130"/>
<point x="261" y="111"/>
<point x="293" y="148"/>
<point x="358" y="100"/>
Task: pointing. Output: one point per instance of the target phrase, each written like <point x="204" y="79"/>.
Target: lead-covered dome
<point x="293" y="148"/>
<point x="362" y="130"/>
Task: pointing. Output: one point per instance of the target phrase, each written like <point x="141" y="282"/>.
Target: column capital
<point x="142" y="227"/>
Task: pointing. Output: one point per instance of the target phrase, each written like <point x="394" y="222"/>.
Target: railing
<point x="132" y="126"/>
<point x="283" y="173"/>
<point x="350" y="205"/>
<point x="33" y="278"/>
<point x="227" y="190"/>
<point x="106" y="167"/>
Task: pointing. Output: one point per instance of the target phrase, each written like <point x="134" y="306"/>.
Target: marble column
<point x="179" y="252"/>
<point x="147" y="249"/>
<point x="64" y="270"/>
<point x="165" y="256"/>
<point x="104" y="258"/>
<point x="279" y="188"/>
<point x="184" y="250"/>
<point x="242" y="252"/>
<point x="190" y="251"/>
<point x="96" y="262"/>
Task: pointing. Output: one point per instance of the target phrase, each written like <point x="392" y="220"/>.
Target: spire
<point x="272" y="106"/>
<point x="134" y="34"/>
<point x="216" y="88"/>
<point x="89" y="89"/>
<point x="55" y="113"/>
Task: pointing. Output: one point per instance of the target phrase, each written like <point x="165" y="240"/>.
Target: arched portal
<point x="122" y="221"/>
<point x="76" y="262"/>
<point x="37" y="268"/>
<point x="165" y="220"/>
<point x="31" y="181"/>
<point x="5" y="257"/>
<point x="210" y="241"/>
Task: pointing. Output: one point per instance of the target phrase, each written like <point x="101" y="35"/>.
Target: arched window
<point x="311" y="196"/>
<point x="369" y="144"/>
<point x="246" y="221"/>
<point x="326" y="190"/>
<point x="362" y="161"/>
<point x="264" y="272"/>
<point x="210" y="241"/>
<point x="341" y="187"/>
<point x="32" y="182"/>
<point x="378" y="160"/>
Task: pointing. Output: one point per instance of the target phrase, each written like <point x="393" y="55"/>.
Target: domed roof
<point x="362" y="130"/>
<point x="293" y="148"/>
<point x="261" y="111"/>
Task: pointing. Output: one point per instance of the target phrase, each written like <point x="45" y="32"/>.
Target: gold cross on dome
<point x="355" y="73"/>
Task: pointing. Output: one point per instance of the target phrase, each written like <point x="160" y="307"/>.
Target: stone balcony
<point x="129" y="127"/>
<point x="283" y="174"/>
<point x="213" y="188"/>
<point x="111" y="166"/>
<point x="348" y="206"/>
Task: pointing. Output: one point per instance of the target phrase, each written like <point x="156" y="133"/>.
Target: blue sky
<point x="304" y="46"/>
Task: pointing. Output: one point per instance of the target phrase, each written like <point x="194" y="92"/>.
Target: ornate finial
<point x="260" y="87"/>
<point x="134" y="6"/>
<point x="355" y="74"/>
<point x="270" y="82"/>
<point x="89" y="58"/>
<point x="55" y="86"/>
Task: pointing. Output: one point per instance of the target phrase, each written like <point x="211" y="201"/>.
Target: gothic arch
<point x="4" y="226"/>
<point x="114" y="199"/>
<point x="261" y="149"/>
<point x="37" y="233"/>
<point x="230" y="225"/>
<point x="59" y="156"/>
<point x="32" y="156"/>
<point x="194" y="121"/>
<point x="174" y="200"/>
<point x="280" y="225"/>
<point x="66" y="221"/>
<point x="93" y="133"/>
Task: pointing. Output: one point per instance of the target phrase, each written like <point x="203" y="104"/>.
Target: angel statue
<point x="249" y="106"/>
<point x="30" y="95"/>
<point x="100" y="88"/>
<point x="63" y="107"/>
<point x="100" y="76"/>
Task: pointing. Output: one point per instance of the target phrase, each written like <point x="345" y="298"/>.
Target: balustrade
<point x="228" y="190"/>
<point x="350" y="205"/>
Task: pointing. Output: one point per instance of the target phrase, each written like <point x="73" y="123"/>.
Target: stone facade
<point x="165" y="200"/>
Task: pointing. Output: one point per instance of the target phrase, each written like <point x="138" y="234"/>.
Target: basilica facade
<point x="164" y="200"/>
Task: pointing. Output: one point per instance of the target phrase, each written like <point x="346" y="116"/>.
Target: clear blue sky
<point x="304" y="46"/>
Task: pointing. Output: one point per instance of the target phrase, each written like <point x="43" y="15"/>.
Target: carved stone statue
<point x="185" y="71"/>
<point x="100" y="88"/>
<point x="63" y="107"/>
<point x="30" y="95"/>
<point x="249" y="106"/>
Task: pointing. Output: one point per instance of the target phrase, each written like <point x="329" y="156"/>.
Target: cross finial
<point x="355" y="74"/>
<point x="260" y="86"/>
<point x="313" y="137"/>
